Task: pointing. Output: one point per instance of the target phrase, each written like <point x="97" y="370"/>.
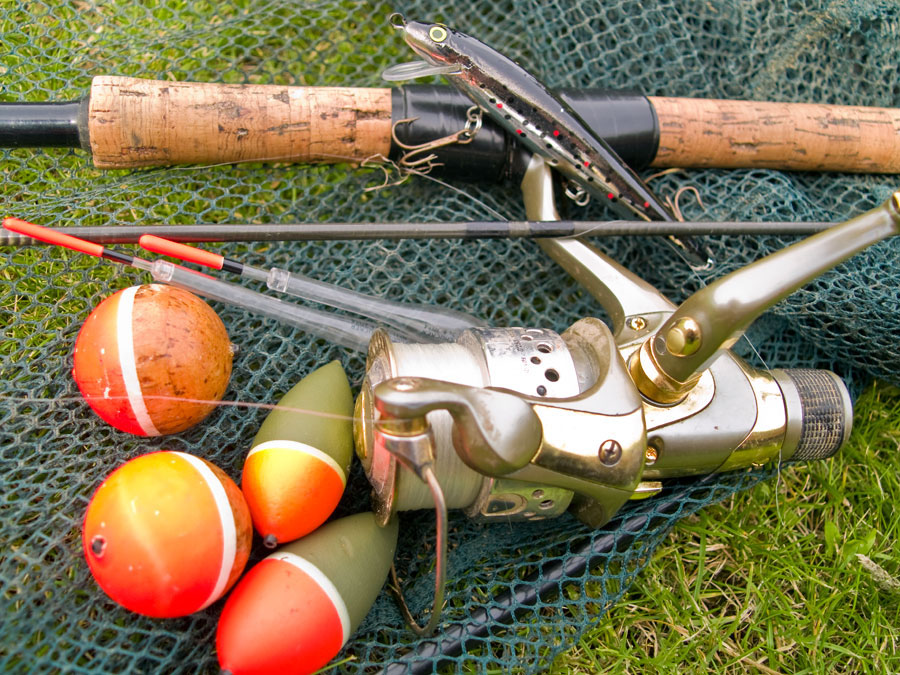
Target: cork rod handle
<point x="789" y="136"/>
<point x="134" y="123"/>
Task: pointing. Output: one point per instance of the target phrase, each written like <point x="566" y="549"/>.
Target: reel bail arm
<point x="411" y="441"/>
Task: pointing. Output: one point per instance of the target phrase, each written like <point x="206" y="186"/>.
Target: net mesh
<point x="54" y="452"/>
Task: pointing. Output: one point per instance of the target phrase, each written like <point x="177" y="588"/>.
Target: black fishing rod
<point x="542" y="585"/>
<point x="129" y="234"/>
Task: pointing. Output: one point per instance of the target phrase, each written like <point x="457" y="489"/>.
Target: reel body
<point x="571" y="425"/>
<point x="523" y="423"/>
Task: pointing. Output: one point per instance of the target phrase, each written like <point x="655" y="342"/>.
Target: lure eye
<point x="437" y="33"/>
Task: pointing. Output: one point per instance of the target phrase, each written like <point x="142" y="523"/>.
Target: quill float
<point x="346" y="331"/>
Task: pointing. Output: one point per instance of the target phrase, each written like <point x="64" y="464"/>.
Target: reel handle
<point x="135" y="122"/>
<point x="669" y="364"/>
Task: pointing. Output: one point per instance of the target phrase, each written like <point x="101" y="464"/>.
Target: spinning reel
<point x="524" y="423"/>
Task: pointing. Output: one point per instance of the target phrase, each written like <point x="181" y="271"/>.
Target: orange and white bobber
<point x="167" y="534"/>
<point x="147" y="357"/>
<point x="293" y="611"/>
<point x="296" y="471"/>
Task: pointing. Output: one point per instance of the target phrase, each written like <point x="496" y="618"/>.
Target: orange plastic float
<point x="167" y="534"/>
<point x="296" y="471"/>
<point x="293" y="611"/>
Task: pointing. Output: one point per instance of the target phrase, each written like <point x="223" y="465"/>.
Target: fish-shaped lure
<point x="527" y="108"/>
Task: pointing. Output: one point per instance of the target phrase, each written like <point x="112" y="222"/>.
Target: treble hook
<point x="411" y="159"/>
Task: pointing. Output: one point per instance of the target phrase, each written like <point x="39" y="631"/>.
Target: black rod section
<point x="129" y="234"/>
<point x="41" y="125"/>
<point x="625" y="120"/>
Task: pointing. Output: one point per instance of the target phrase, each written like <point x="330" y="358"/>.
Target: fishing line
<point x="224" y="403"/>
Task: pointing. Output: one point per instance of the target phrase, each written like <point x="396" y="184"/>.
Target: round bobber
<point x="146" y="355"/>
<point x="296" y="470"/>
<point x="294" y="610"/>
<point x="167" y="534"/>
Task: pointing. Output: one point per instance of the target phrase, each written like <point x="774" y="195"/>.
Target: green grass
<point x="799" y="575"/>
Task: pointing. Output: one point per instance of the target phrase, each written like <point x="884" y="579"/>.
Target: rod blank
<point x="128" y="234"/>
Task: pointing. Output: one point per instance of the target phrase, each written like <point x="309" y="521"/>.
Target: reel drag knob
<point x="294" y="610"/>
<point x="819" y="413"/>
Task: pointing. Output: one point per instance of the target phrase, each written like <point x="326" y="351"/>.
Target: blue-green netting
<point x="54" y="452"/>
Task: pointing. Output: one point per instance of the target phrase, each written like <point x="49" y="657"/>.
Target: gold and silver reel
<point x="523" y="423"/>
<point x="576" y="432"/>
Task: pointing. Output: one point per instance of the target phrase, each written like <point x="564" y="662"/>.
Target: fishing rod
<point x="224" y="232"/>
<point x="126" y="122"/>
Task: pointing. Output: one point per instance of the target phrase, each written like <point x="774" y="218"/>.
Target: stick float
<point x="418" y="322"/>
<point x="344" y="331"/>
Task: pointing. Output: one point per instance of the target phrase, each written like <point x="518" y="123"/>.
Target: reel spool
<point x="527" y="360"/>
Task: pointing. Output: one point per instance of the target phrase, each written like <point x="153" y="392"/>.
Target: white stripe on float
<point x="128" y="363"/>
<point x="304" y="448"/>
<point x="226" y="518"/>
<point x="322" y="582"/>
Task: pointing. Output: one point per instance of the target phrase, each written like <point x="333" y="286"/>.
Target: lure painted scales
<point x="527" y="108"/>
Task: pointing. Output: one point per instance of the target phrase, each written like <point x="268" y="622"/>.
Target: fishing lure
<point x="528" y="109"/>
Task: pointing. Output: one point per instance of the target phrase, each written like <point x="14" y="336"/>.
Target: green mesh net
<point x="54" y="452"/>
